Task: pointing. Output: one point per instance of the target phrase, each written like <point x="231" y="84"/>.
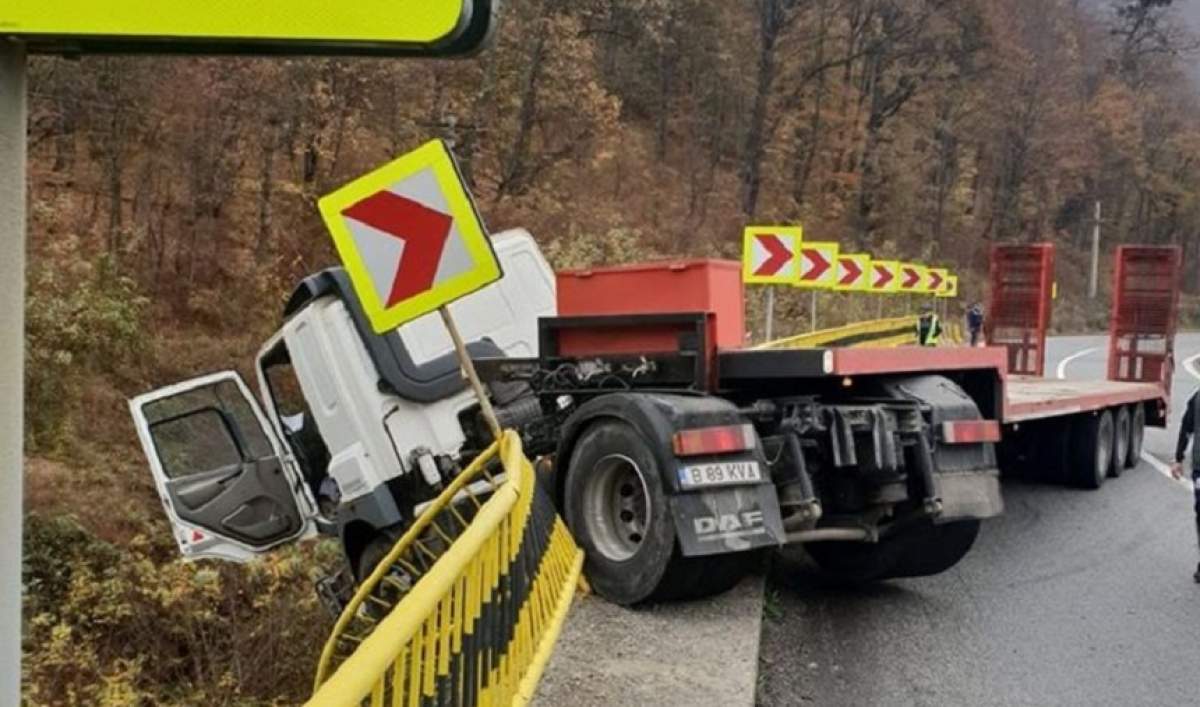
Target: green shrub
<point x="109" y="625"/>
<point x="81" y="318"/>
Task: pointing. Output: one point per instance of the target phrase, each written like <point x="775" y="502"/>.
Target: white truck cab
<point x="350" y="430"/>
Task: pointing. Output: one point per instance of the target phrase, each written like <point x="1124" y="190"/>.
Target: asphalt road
<point x="1071" y="598"/>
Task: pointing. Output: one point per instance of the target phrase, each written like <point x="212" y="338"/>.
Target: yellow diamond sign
<point x="410" y="237"/>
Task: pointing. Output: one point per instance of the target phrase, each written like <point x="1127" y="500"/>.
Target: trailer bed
<point x="1023" y="398"/>
<point x="1030" y="398"/>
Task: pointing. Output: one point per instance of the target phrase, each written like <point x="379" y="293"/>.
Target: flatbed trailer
<point x="1021" y="398"/>
<point x="882" y="462"/>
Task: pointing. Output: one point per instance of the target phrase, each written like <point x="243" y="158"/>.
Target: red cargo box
<point x="713" y="287"/>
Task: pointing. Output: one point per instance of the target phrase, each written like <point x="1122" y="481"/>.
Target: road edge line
<point x="1189" y="365"/>
<point x="1164" y="469"/>
<point x="1061" y="373"/>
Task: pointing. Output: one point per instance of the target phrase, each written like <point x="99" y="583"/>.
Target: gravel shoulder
<point x="687" y="654"/>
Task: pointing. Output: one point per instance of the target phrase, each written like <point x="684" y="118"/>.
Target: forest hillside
<point x="173" y="207"/>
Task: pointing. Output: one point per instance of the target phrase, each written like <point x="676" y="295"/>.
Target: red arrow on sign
<point x="883" y="276"/>
<point x="818" y="264"/>
<point x="781" y="255"/>
<point x="911" y="278"/>
<point x="935" y="281"/>
<point x="423" y="230"/>
<point x="852" y="271"/>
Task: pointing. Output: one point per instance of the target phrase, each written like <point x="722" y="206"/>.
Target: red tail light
<point x="970" y="431"/>
<point x="714" y="440"/>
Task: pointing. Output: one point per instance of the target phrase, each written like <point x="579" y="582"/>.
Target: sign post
<point x="771" y="255"/>
<point x="12" y="381"/>
<point x="818" y="271"/>
<point x="485" y="403"/>
<point x="412" y="242"/>
<point x="770" y="325"/>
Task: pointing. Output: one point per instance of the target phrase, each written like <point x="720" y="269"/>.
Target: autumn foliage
<point x="173" y="205"/>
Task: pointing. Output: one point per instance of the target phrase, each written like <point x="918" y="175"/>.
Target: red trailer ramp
<point x="1145" y="306"/>
<point x="1022" y="278"/>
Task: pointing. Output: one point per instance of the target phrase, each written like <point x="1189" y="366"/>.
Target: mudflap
<point x="968" y="494"/>
<point x="731" y="519"/>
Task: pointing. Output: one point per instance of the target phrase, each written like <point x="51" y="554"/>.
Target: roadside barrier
<point x="898" y="331"/>
<point x="877" y="333"/>
<point x="466" y="607"/>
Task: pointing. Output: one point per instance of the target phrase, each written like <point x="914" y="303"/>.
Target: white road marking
<point x="1062" y="366"/>
<point x="1190" y="366"/>
<point x="1165" y="470"/>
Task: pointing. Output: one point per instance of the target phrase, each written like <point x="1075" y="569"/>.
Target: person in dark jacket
<point x="1186" y="429"/>
<point x="975" y="322"/>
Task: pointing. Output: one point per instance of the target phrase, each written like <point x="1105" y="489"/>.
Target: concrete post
<point x="12" y="354"/>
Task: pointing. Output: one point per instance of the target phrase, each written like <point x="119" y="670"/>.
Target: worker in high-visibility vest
<point x="1187" y="429"/>
<point x="929" y="328"/>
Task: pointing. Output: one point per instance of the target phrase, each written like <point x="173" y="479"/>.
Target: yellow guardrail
<point x="877" y="333"/>
<point x="466" y="607"/>
<point x="898" y="331"/>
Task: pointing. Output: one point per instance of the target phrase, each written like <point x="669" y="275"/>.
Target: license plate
<point x="719" y="474"/>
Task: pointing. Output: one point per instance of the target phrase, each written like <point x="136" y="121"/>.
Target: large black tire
<point x="698" y="577"/>
<point x="1137" y="433"/>
<point x="919" y="551"/>
<point x="933" y="549"/>
<point x="1091" y="449"/>
<point x="1120" y="453"/>
<point x="854" y="562"/>
<point x="616" y="508"/>
<point x="375" y="551"/>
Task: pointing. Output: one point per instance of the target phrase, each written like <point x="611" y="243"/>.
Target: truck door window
<point x="194" y="443"/>
<point x="205" y="429"/>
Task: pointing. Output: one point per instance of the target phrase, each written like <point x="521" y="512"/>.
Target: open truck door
<point x="227" y="487"/>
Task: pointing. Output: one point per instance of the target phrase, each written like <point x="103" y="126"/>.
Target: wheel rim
<point x="1136" y="433"/>
<point x="1121" y="441"/>
<point x="1105" y="451"/>
<point x="616" y="507"/>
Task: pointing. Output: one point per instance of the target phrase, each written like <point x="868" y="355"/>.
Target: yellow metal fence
<point x="466" y="607"/>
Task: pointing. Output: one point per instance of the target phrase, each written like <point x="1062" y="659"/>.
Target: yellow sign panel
<point x="386" y="27"/>
<point x="935" y="280"/>
<point x="410" y="237"/>
<point x="885" y="276"/>
<point x="853" y="272"/>
<point x="771" y="254"/>
<point x="951" y="288"/>
<point x="912" y="278"/>
<point x="818" y="266"/>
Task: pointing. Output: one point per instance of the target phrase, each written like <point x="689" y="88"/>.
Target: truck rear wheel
<point x="854" y="562"/>
<point x="616" y="508"/>
<point x="919" y="551"/>
<point x="1091" y="449"/>
<point x="1120" y="455"/>
<point x="1137" y="433"/>
<point x="933" y="549"/>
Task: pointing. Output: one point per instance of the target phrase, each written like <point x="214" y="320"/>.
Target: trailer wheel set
<point x="1103" y="442"/>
